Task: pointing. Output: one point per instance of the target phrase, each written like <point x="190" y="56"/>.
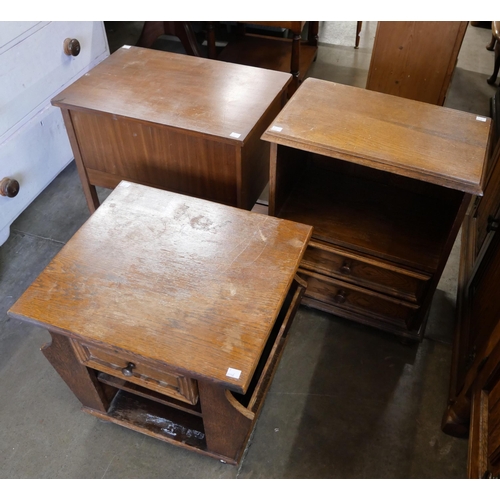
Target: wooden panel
<point x="489" y="204"/>
<point x="173" y="279"/>
<point x="350" y="297"/>
<point x="338" y="263"/>
<point x="158" y="156"/>
<point x="415" y="59"/>
<point x="159" y="379"/>
<point x="409" y="138"/>
<point x="190" y="93"/>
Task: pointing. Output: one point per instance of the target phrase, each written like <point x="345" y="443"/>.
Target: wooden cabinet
<point x="169" y="314"/>
<point x="386" y="183"/>
<point x="415" y="59"/>
<point x="173" y="121"/>
<point x="34" y="146"/>
<point x="474" y="407"/>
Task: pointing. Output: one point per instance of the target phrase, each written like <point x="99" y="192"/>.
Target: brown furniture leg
<point x="226" y="422"/>
<point x="78" y="377"/>
<point x="495" y="36"/>
<point x="180" y="29"/>
<point x="359" y="25"/>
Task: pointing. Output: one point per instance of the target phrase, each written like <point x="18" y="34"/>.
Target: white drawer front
<point x="35" y="69"/>
<point x="33" y="156"/>
<point x="12" y="32"/>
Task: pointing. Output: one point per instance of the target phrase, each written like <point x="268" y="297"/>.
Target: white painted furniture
<point x="35" y="64"/>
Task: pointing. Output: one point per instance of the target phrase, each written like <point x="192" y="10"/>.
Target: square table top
<point x="175" y="279"/>
<point x="194" y="94"/>
<point x="414" y="139"/>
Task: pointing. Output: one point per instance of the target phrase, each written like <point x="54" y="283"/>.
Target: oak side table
<point x="169" y="314"/>
<point x="386" y="182"/>
<point x="172" y="121"/>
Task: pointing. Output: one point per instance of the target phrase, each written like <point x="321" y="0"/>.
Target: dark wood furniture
<point x="474" y="401"/>
<point x="183" y="30"/>
<point x="386" y="183"/>
<point x="292" y="55"/>
<point x="494" y="46"/>
<point x="168" y="314"/>
<point x="415" y="59"/>
<point x="185" y="124"/>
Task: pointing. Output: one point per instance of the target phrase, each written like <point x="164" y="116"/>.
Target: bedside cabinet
<point x="385" y="182"/>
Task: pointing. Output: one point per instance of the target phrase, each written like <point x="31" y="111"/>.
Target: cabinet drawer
<point x="348" y="266"/>
<point x="348" y="297"/>
<point x="36" y="68"/>
<point x="33" y="156"/>
<point x="152" y="377"/>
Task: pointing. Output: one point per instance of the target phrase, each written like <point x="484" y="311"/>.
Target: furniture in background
<point x="474" y="400"/>
<point x="359" y="25"/>
<point x="293" y="55"/>
<point x="168" y="315"/>
<point x="182" y="30"/>
<point x="494" y="46"/>
<point x="38" y="60"/>
<point x="415" y="59"/>
<point x="386" y="183"/>
<point x="185" y="124"/>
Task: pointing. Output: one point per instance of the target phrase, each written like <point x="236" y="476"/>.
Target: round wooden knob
<point x="127" y="371"/>
<point x="340" y="297"/>
<point x="9" y="187"/>
<point x="71" y="47"/>
<point x="346" y="267"/>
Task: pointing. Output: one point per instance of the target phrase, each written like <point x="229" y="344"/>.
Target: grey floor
<point x="347" y="401"/>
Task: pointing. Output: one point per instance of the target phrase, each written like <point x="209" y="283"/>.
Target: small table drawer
<point x="127" y="368"/>
<point x="355" y="299"/>
<point x="348" y="266"/>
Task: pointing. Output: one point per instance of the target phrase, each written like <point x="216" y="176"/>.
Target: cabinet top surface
<point x="406" y="137"/>
<point x="186" y="92"/>
<point x="175" y="279"/>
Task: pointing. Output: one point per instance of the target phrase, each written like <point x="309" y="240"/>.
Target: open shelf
<point x="362" y="209"/>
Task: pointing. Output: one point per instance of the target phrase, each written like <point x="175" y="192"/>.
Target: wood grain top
<point x="175" y="279"/>
<point x="410" y="138"/>
<point x="190" y="93"/>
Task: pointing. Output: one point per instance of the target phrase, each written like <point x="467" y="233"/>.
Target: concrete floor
<point x="347" y="401"/>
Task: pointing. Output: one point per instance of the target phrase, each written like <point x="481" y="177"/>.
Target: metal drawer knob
<point x="346" y="267"/>
<point x="9" y="187"/>
<point x="127" y="371"/>
<point x="340" y="297"/>
<point x="71" y="47"/>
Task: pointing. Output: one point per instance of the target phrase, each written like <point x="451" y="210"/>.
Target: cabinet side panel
<point x="145" y="153"/>
<point x="415" y="59"/>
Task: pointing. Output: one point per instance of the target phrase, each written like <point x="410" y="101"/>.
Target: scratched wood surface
<point x="190" y="283"/>
<point x="189" y="93"/>
<point x="414" y="139"/>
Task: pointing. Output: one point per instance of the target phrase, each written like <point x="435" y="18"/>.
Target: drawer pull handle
<point x="9" y="187"/>
<point x="493" y="224"/>
<point x="71" y="47"/>
<point x="127" y="371"/>
<point x="340" y="297"/>
<point x="346" y="267"/>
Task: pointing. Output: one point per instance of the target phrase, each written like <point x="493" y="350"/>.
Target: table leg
<point x="78" y="377"/>
<point x="227" y="423"/>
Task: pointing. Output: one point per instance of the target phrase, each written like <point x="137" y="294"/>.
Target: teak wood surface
<point x="193" y="94"/>
<point x="172" y="279"/>
<point x="414" y="139"/>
